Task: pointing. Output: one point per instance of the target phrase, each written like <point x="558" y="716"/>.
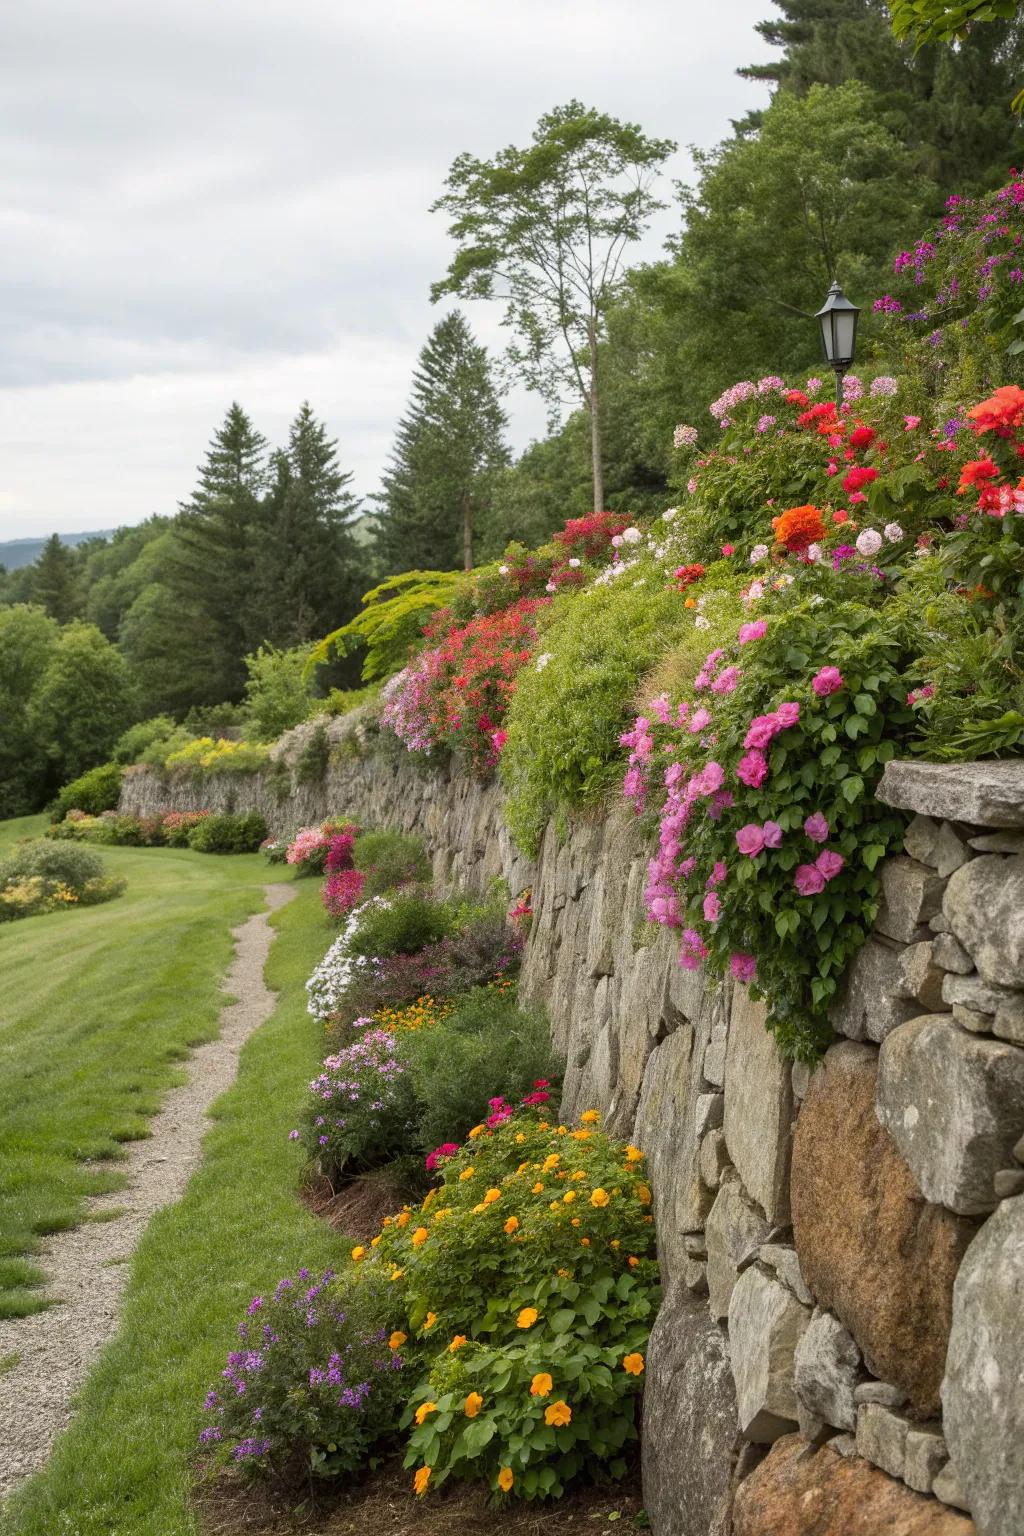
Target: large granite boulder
<point x="983" y="1393"/>
<point x="953" y="1102"/>
<point x="983" y="794"/>
<point x="766" y="1323"/>
<point x="871" y="1249"/>
<point x="799" y="1491"/>
<point x="984" y="906"/>
<point x="758" y="1108"/>
<point x="825" y="1374"/>
<point x="689" y="1431"/>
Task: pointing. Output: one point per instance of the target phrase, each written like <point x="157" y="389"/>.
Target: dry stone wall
<point x="841" y="1344"/>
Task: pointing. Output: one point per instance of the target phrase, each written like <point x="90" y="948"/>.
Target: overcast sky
<point x="204" y="200"/>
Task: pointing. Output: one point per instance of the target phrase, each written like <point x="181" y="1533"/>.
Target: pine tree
<point x="448" y="448"/>
<point x="219" y="536"/>
<point x="309" y="575"/>
<point x="54" y="581"/>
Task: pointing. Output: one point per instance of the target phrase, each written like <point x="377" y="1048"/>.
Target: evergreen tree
<point x="220" y="537"/>
<point x="308" y="577"/>
<point x="448" y="447"/>
<point x="54" y="583"/>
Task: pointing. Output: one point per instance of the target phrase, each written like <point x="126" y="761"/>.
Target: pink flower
<point x="698" y="721"/>
<point x="808" y="880"/>
<point x="755" y="631"/>
<point x="728" y="549"/>
<point x="440" y="1154"/>
<point x="726" y="680"/>
<point x="499" y="739"/>
<point x="772" y="834"/>
<point x="743" y="967"/>
<point x="709" y="779"/>
<point x="750" y="839"/>
<point x="912" y="422"/>
<point x="721" y="800"/>
<point x="761" y="731"/>
<point x="752" y="769"/>
<point x="712" y="907"/>
<point x="829" y="864"/>
<point x="828" y="680"/>
<point x="693" y="950"/>
<point x="787" y="715"/>
<point x="816" y="827"/>
<point x="687" y="868"/>
<point x="717" y="874"/>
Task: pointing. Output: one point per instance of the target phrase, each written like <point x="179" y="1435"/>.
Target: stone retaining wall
<point x="841" y="1345"/>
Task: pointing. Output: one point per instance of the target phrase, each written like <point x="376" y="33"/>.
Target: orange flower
<point x="512" y="1225"/>
<point x="799" y="527"/>
<point x="477" y="1130"/>
<point x="429" y="1321"/>
<point x="599" y="1197"/>
<point x="541" y="1385"/>
<point x="569" y="1197"/>
<point x="456" y="1343"/>
<point x="421" y="1480"/>
<point x="397" y="1339"/>
<point x="643" y="1194"/>
<point x="403" y="1220"/>
<point x="1004" y="409"/>
<point x="374" y="1241"/>
<point x="491" y="1196"/>
<point x="467" y="1173"/>
<point x="558" y="1413"/>
<point x="590" y="1117"/>
<point x="976" y="472"/>
<point x="538" y="1188"/>
<point x="505" y="1479"/>
<point x="396" y="1274"/>
<point x="552" y="1161"/>
<point x="474" y="1402"/>
<point x="633" y="1261"/>
<point x="584" y="1242"/>
<point x="575" y="1221"/>
<point x="419" y="1236"/>
<point x="634" y="1155"/>
<point x="633" y="1365"/>
<point x="527" y="1317"/>
<point x="424" y="1411"/>
<point x="358" y="1252"/>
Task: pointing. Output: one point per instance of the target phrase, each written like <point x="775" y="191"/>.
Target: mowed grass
<point x="124" y="1467"/>
<point x="98" y="1009"/>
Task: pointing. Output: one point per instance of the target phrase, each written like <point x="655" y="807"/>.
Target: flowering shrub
<point x="326" y="988"/>
<point x="591" y="537"/>
<point x="39" y="877"/>
<point x="309" y="849"/>
<point x="317" y="1370"/>
<point x="203" y="755"/>
<point x="93" y="792"/>
<point x="362" y="1106"/>
<point x="342" y="891"/>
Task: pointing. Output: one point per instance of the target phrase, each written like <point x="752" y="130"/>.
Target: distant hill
<point x="14" y="553"/>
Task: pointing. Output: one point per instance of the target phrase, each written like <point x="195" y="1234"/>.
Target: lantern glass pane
<point x="826" y="336"/>
<point x="845" y="327"/>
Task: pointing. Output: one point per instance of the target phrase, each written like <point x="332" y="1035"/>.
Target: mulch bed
<point x="359" y="1207"/>
<point x="384" y="1505"/>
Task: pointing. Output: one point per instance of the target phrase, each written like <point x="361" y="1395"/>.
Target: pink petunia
<point x="772" y="834"/>
<point x="750" y="839"/>
<point x="743" y="967"/>
<point x="828" y="864"/>
<point x="828" y="680"/>
<point x="755" y="631"/>
<point x="816" y="827"/>
<point x="752" y="769"/>
<point x="808" y="880"/>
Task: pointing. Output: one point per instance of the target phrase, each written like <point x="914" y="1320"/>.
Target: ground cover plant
<point x="81" y="1077"/>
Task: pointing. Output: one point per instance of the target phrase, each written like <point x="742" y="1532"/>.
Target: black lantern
<point x="838" y="320"/>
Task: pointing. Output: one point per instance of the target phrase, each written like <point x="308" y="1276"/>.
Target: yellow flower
<point x="558" y="1413"/>
<point x="428" y="1202"/>
<point x="552" y="1161"/>
<point x="419" y="1236"/>
<point x="615" y="1243"/>
<point x="599" y="1198"/>
<point x="467" y="1173"/>
<point x="581" y="1135"/>
<point x="563" y="1130"/>
<point x="590" y="1116"/>
<point x="477" y="1130"/>
<point x="478" y="1208"/>
<point x="643" y="1194"/>
<point x="584" y="1242"/>
<point x="569" y="1197"/>
<point x="541" y="1385"/>
<point x="520" y="1138"/>
<point x="397" y="1339"/>
<point x="527" y="1317"/>
<point x="474" y="1402"/>
<point x="538" y="1188"/>
<point x="633" y="1365"/>
<point x="424" y="1410"/>
<point x="440" y="1215"/>
<point x="522" y="1167"/>
<point x="512" y="1225"/>
<point x="429" y="1321"/>
<point x="396" y="1274"/>
<point x="634" y="1155"/>
<point x="575" y="1221"/>
<point x="491" y="1196"/>
<point x="556" y="1205"/>
<point x="388" y="1221"/>
<point x="565" y="1273"/>
<point x="358" y="1252"/>
<point x="456" y="1343"/>
<point x="421" y="1480"/>
<point x="374" y="1241"/>
<point x="505" y="1479"/>
<point x="403" y="1220"/>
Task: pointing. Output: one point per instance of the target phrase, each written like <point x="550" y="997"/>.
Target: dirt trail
<point x="87" y="1268"/>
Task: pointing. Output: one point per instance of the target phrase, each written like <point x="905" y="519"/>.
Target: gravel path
<point x="87" y="1268"/>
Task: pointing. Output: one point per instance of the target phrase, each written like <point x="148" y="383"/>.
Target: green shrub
<point x="95" y="791"/>
<point x="278" y="691"/>
<point x="341" y="701"/>
<point x="312" y="761"/>
<point x="138" y="739"/>
<point x="73" y="866"/>
<point x="44" y="876"/>
<point x="409" y="922"/>
<point x="389" y="860"/>
<point x="223" y="833"/>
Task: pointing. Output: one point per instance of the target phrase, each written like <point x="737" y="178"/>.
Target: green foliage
<point x="55" y="581"/>
<point x="93" y="792"/>
<point x="392" y="622"/>
<point x="278" y="691"/>
<point x="133" y="743"/>
<point x="202" y="755"/>
<point x="82" y="702"/>
<point x="410" y="920"/>
<point x="72" y="866"/>
<point x="389" y="860"/>
<point x="311" y="765"/>
<point x="27" y="640"/>
<point x="222" y="833"/>
<point x="342" y="701"/>
<point x="565" y="717"/>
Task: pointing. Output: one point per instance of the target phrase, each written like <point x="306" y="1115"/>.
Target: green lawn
<point x="122" y="1468"/>
<point x="97" y="1010"/>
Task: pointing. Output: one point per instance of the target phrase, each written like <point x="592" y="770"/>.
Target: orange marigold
<point x="799" y="527"/>
<point x="421" y="1480"/>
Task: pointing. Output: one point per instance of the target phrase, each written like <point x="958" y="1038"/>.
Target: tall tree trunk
<point x="467" y="533"/>
<point x="595" y="423"/>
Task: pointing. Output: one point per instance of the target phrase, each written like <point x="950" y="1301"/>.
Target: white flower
<point x="574" y="564"/>
<point x="816" y="601"/>
<point x="502" y="570"/>
<point x="543" y="660"/>
<point x="758" y="553"/>
<point x="869" y="542"/>
<point x="668" y="516"/>
<point x="700" y="622"/>
<point x="814" y="553"/>
<point x="550" y="587"/>
<point x="617" y="541"/>
<point x="893" y="532"/>
<point x="631" y="536"/>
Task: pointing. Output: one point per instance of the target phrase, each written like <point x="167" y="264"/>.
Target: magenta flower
<point x="752" y="769"/>
<point x="717" y="875"/>
<point x="750" y="839"/>
<point x="816" y="827"/>
<point x="787" y="715"/>
<point x="828" y="680"/>
<point x="726" y="680"/>
<point x="712" y="907"/>
<point x="743" y="967"/>
<point x="709" y="779"/>
<point x="828" y="864"/>
<point x="761" y="731"/>
<point x="693" y="950"/>
<point x="698" y="720"/>
<point x="772" y="834"/>
<point x="755" y="631"/>
<point x="808" y="880"/>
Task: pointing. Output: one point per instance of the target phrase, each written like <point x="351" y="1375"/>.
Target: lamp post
<point x="838" y="320"/>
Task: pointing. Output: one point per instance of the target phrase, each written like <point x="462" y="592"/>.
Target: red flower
<point x="686" y="575"/>
<point x="824" y="411"/>
<point x="1000" y="413"/>
<point x="797" y="397"/>
<point x="975" y="472"/>
<point x="798" y="528"/>
<point x="862" y="436"/>
<point x="589" y="537"/>
<point x="859" y="476"/>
